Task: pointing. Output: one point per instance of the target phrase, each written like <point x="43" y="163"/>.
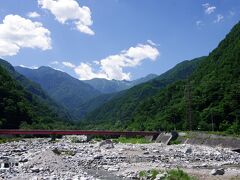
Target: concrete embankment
<point x="200" y="138"/>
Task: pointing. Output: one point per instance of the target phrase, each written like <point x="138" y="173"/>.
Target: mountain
<point x="94" y="103"/>
<point x="24" y="104"/>
<point x="143" y="79"/>
<point x="120" y="109"/>
<point x="63" y="88"/>
<point x="112" y="86"/>
<point x="209" y="99"/>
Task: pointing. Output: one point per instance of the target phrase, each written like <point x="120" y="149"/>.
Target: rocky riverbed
<point x="39" y="158"/>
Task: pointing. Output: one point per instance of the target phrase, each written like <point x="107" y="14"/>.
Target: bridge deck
<point x="76" y="132"/>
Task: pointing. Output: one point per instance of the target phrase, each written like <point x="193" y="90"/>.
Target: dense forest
<point x="23" y="104"/>
<point x="209" y="99"/>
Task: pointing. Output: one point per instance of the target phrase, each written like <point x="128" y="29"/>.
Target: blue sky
<point x="110" y="38"/>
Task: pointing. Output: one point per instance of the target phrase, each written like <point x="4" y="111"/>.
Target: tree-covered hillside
<point x="36" y="90"/>
<point x="21" y="108"/>
<point x="120" y="109"/>
<point x="208" y="100"/>
<point x="64" y="89"/>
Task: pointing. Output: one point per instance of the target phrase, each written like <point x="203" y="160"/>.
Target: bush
<point x="178" y="174"/>
<point x="174" y="174"/>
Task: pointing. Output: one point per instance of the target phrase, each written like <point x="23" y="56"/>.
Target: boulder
<point x="188" y="151"/>
<point x="35" y="170"/>
<point x="107" y="144"/>
<point x="215" y="172"/>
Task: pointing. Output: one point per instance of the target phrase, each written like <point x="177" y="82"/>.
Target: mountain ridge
<point x="111" y="86"/>
<point x="63" y="88"/>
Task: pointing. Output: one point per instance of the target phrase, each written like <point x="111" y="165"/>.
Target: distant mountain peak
<point x="111" y="86"/>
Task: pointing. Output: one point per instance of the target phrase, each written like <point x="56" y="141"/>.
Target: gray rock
<point x="98" y="157"/>
<point x="107" y="144"/>
<point x="35" y="170"/>
<point x="215" y="172"/>
<point x="113" y="169"/>
<point x="188" y="151"/>
<point x="24" y="160"/>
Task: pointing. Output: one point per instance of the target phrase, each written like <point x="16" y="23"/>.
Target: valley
<point x="146" y="92"/>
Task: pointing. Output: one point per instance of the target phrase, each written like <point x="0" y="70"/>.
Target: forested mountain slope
<point x="64" y="89"/>
<point x="120" y="109"/>
<point x="20" y="107"/>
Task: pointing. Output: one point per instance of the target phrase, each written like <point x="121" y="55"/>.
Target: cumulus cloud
<point x="33" y="15"/>
<point x="219" y="18"/>
<point x="68" y="64"/>
<point x="70" y="11"/>
<point x="112" y="67"/>
<point x="86" y="72"/>
<point x="208" y="9"/>
<point x="17" y="32"/>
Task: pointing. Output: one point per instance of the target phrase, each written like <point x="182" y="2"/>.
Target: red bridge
<point x="77" y="132"/>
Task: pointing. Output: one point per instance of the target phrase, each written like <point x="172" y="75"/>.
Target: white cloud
<point x="231" y="13"/>
<point x="199" y="23"/>
<point x="55" y="62"/>
<point x="29" y="67"/>
<point x="85" y="72"/>
<point x="152" y="43"/>
<point x="17" y="32"/>
<point x="33" y="15"/>
<point x="68" y="64"/>
<point x="96" y="62"/>
<point x="58" y="69"/>
<point x="219" y="18"/>
<point x="70" y="11"/>
<point x="8" y="48"/>
<point x="208" y="9"/>
<point x="112" y="67"/>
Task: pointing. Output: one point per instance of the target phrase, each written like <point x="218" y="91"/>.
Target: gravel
<point x="41" y="159"/>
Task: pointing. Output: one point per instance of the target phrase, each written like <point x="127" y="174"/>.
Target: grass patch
<point x="174" y="142"/>
<point x="9" y="139"/>
<point x="151" y="174"/>
<point x="132" y="140"/>
<point x="154" y="173"/>
<point x="142" y="174"/>
<point x="174" y="174"/>
<point x="178" y="174"/>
